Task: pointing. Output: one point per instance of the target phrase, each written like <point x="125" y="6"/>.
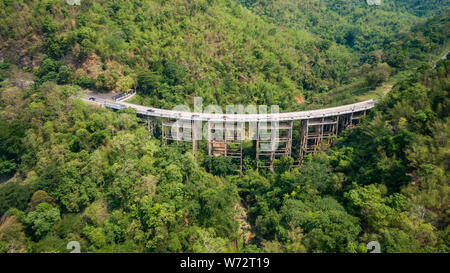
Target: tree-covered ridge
<point x="404" y="152"/>
<point x="170" y="50"/>
<point x="426" y="43"/>
<point x="387" y="180"/>
<point x="423" y="7"/>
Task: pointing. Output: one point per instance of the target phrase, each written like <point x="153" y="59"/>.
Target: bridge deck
<point x="303" y="115"/>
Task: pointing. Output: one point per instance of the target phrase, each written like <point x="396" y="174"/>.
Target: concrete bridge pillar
<point x="177" y="130"/>
<point x="352" y="119"/>
<point x="150" y="123"/>
<point x="196" y="126"/>
<point x="273" y="141"/>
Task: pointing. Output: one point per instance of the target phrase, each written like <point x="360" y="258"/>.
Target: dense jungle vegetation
<point x="219" y="50"/>
<point x="74" y="172"/>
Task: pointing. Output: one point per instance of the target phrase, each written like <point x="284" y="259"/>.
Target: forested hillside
<point x="172" y="51"/>
<point x="394" y="37"/>
<point x="74" y="172"/>
<point x="352" y="23"/>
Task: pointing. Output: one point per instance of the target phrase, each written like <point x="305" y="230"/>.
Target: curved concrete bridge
<point x="302" y="115"/>
<point x="226" y="132"/>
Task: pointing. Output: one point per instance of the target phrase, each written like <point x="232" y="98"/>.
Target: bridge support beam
<point x="352" y="119"/>
<point x="356" y="117"/>
<point x="314" y="131"/>
<point x="177" y="130"/>
<point x="196" y="126"/>
<point x="270" y="143"/>
<point x="273" y="142"/>
<point x="225" y="139"/>
<point x="151" y="124"/>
